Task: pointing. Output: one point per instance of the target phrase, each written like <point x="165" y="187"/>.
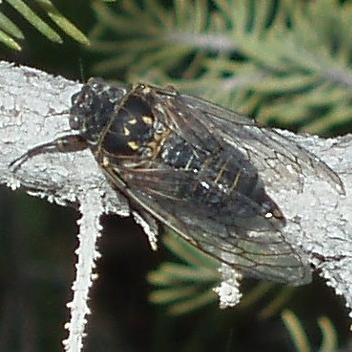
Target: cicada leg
<point x="65" y="144"/>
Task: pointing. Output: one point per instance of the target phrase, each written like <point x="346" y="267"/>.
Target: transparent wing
<point x="279" y="160"/>
<point x="261" y="254"/>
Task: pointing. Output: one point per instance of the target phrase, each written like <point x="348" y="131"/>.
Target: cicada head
<point x="92" y="108"/>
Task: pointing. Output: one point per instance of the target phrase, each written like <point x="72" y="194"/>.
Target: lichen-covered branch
<point x="32" y="105"/>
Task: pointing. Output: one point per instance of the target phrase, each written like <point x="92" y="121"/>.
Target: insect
<point x="197" y="168"/>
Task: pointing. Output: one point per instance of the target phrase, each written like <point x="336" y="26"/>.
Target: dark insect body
<point x="197" y="168"/>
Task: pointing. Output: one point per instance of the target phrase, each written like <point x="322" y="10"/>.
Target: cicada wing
<point x="279" y="160"/>
<point x="263" y="254"/>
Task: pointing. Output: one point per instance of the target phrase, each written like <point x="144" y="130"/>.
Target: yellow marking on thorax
<point x="126" y="131"/>
<point x="157" y="142"/>
<point x="133" y="145"/>
<point x="148" y="120"/>
<point x="132" y="121"/>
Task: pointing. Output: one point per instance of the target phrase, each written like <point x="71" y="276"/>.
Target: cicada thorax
<point x="118" y="124"/>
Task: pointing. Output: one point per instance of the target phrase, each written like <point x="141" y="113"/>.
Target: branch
<point x="32" y="105"/>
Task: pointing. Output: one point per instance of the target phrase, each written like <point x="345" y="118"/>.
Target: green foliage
<point x="299" y="336"/>
<point x="283" y="61"/>
<point x="184" y="287"/>
<point x="187" y="286"/>
<point x="11" y="34"/>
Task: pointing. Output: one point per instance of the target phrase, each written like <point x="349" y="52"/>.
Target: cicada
<point x="198" y="169"/>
